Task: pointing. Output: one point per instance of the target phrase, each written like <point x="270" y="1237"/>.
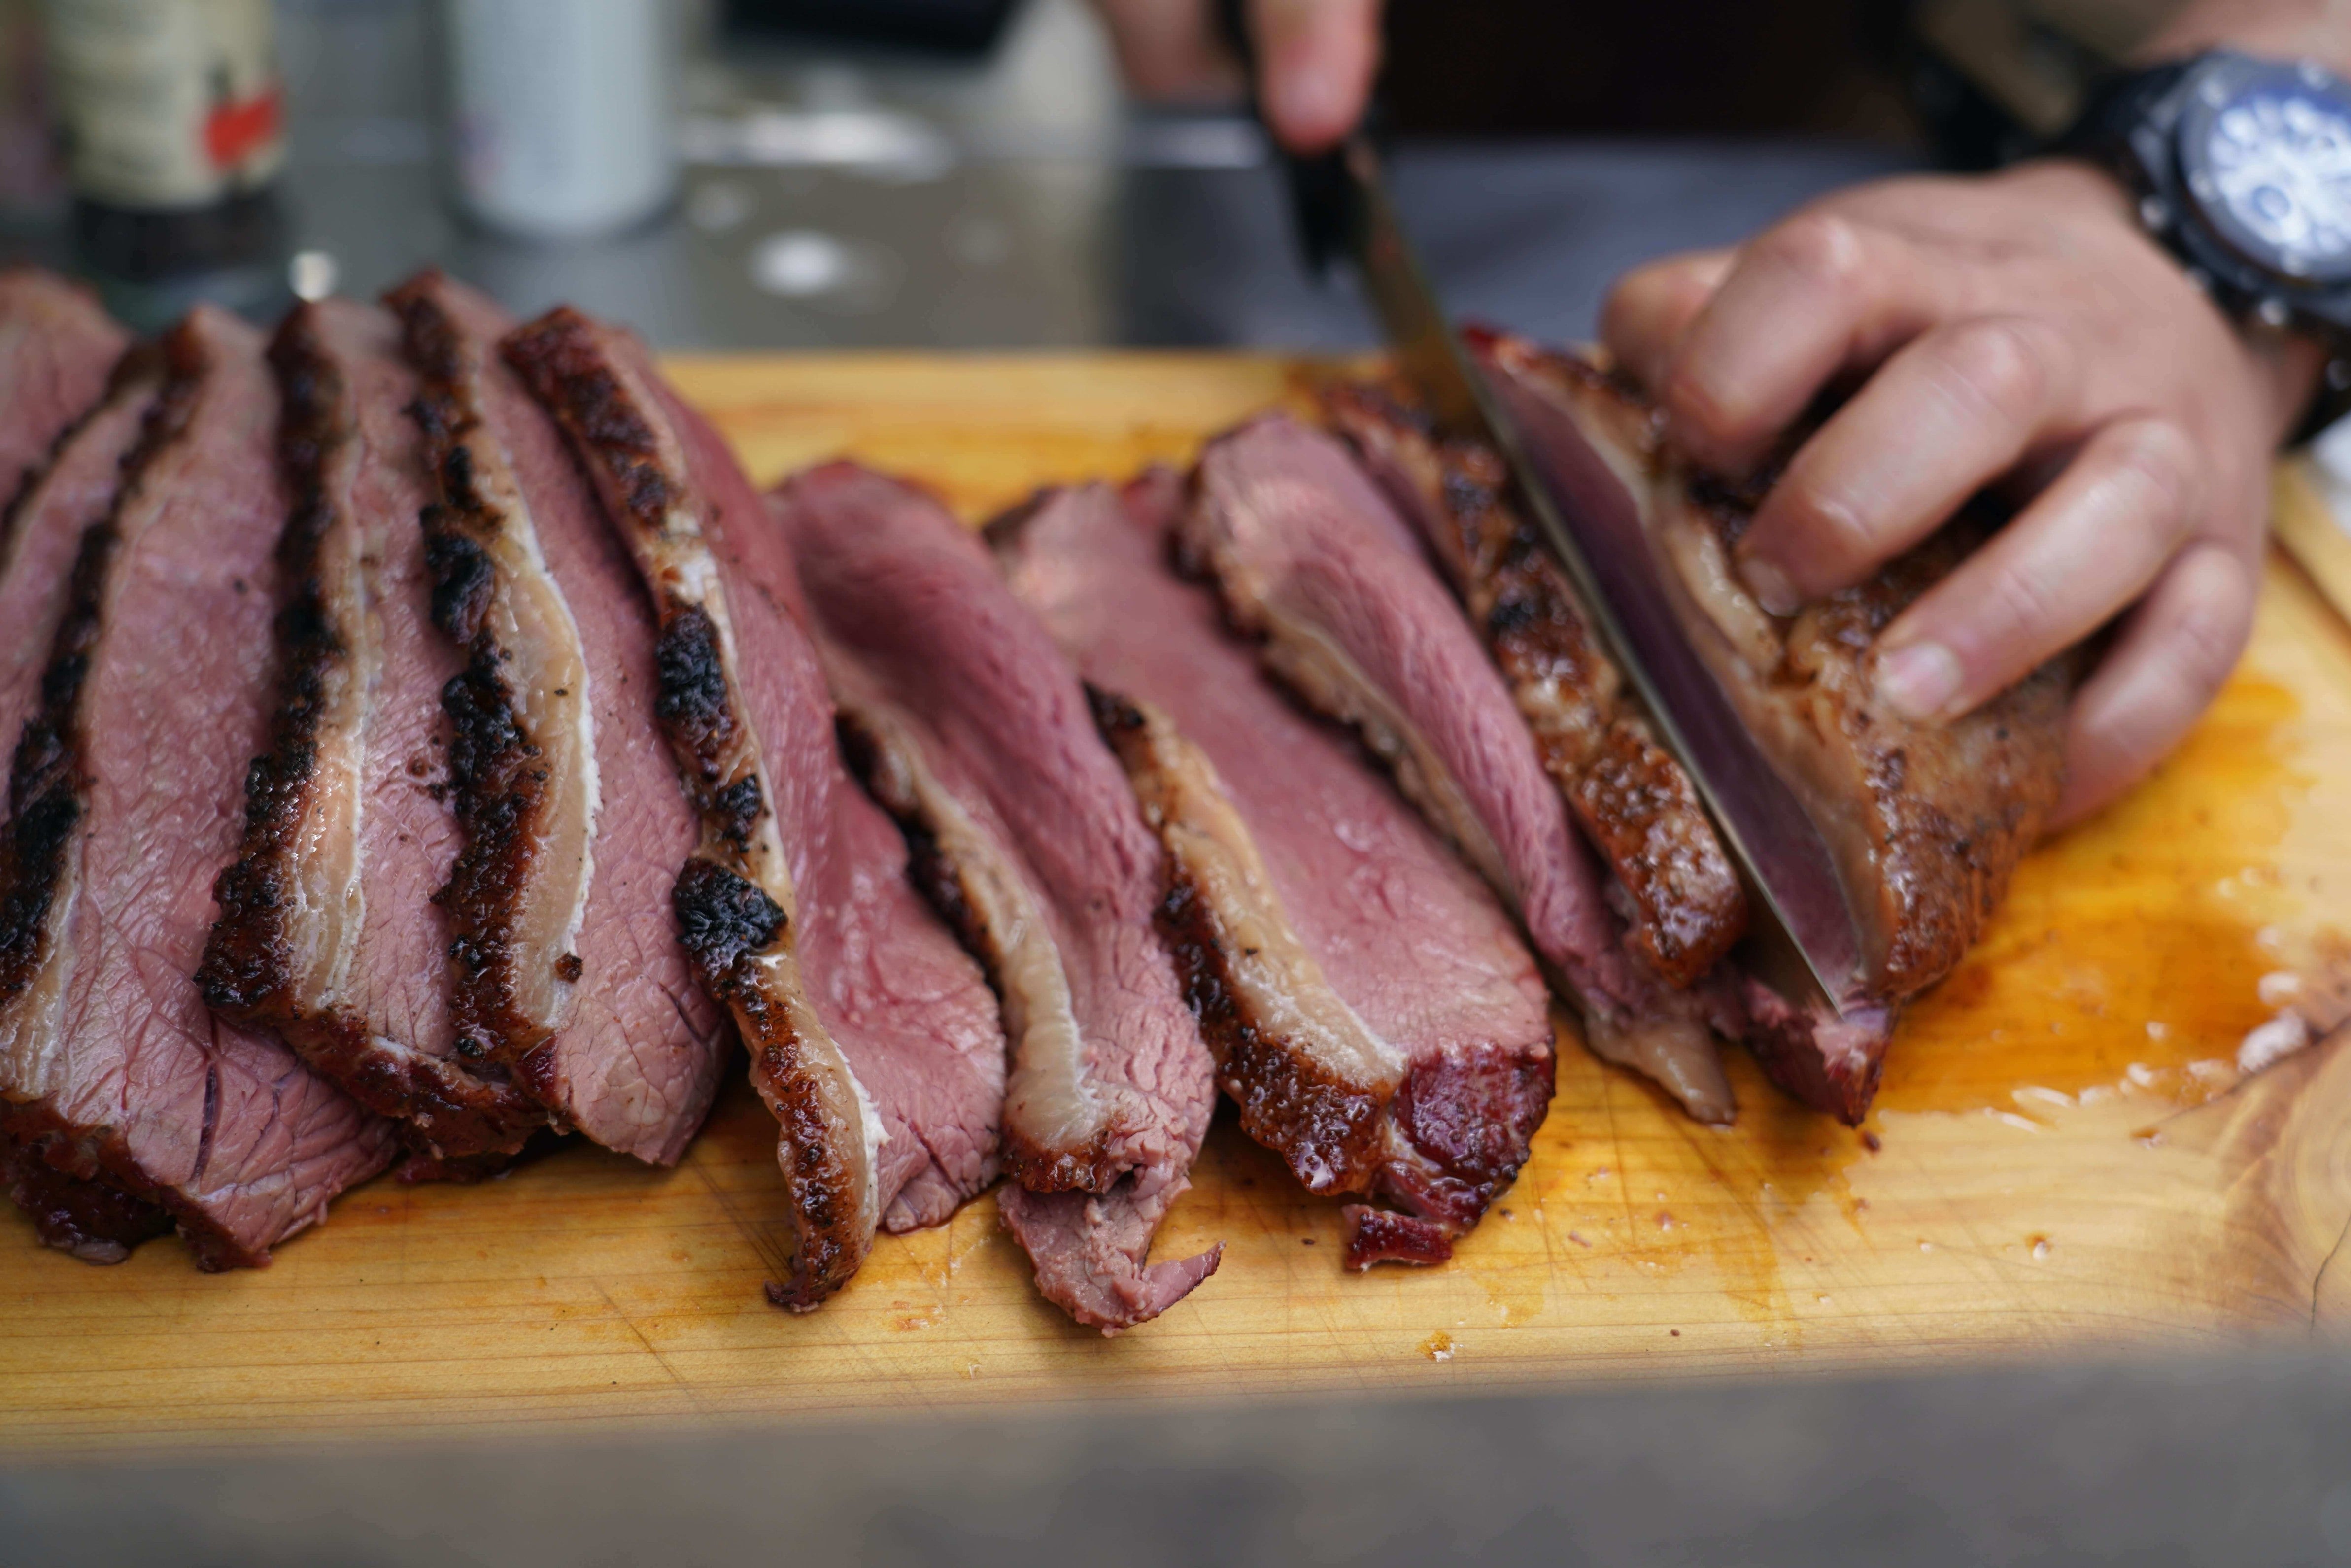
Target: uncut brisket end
<point x="1926" y="822"/>
<point x="139" y="1105"/>
<point x="1634" y="802"/>
<point x="566" y="965"/>
<point x="872" y="1037"/>
<point x="1310" y="557"/>
<point x="329" y="935"/>
<point x="1372" y="1010"/>
<point x="972" y="729"/>
<point x="56" y="351"/>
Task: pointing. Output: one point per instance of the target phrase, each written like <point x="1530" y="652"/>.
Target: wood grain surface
<point x="2062" y="1160"/>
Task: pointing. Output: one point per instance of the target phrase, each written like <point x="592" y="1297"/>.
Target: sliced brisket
<point x="60" y="497"/>
<point x="328" y="935"/>
<point x="1372" y="1010"/>
<point x="138" y="1105"/>
<point x="1629" y="796"/>
<point x="872" y="1037"/>
<point x="56" y="350"/>
<point x="972" y="729"/>
<point x="1310" y="557"/>
<point x="1927" y="820"/>
<point x="569" y="977"/>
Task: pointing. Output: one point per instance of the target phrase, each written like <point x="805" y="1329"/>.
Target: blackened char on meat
<point x="1629" y="796"/>
<point x="973" y="731"/>
<point x="1927" y="820"/>
<point x="1372" y="1010"/>
<point x="872" y="1036"/>
<point x="127" y="1103"/>
<point x="329" y="935"/>
<point x="1309" y="556"/>
<point x="566" y="965"/>
<point x="57" y="501"/>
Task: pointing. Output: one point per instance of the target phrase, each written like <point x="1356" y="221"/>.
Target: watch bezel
<point x="2141" y="121"/>
<point x="2203" y="97"/>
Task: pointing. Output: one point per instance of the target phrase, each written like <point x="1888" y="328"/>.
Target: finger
<point x="1168" y="49"/>
<point x="2070" y="562"/>
<point x="1316" y="59"/>
<point x="2177" y="650"/>
<point x="1815" y="295"/>
<point x="1944" y="417"/>
<point x="1651" y="307"/>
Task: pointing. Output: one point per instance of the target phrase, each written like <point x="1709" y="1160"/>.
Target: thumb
<point x="1316" y="59"/>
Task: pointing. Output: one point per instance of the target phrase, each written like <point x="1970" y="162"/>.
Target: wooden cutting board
<point x="2062" y="1160"/>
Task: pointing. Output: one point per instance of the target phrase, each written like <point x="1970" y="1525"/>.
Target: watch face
<point x="2266" y="152"/>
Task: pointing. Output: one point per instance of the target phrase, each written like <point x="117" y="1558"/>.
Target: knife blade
<point x="1803" y="938"/>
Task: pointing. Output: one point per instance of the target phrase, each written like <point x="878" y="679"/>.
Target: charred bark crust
<point x="727" y="923"/>
<point x="735" y="933"/>
<point x="44" y="776"/>
<point x="462" y="1107"/>
<point x="499" y="783"/>
<point x="248" y="973"/>
<point x="1631" y="800"/>
<point x="96" y="1194"/>
<point x="1331" y="1133"/>
<point x="1443" y="1144"/>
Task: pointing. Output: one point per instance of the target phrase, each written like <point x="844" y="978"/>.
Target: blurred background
<point x="777" y="174"/>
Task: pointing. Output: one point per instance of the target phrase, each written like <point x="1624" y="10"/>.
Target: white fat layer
<point x="32" y="1027"/>
<point x="532" y="623"/>
<point x="1679" y="1052"/>
<point x="1288" y="998"/>
<point x="1049" y="1097"/>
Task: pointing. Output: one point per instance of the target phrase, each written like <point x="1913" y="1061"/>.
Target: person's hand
<point x="1316" y="58"/>
<point x="2016" y="330"/>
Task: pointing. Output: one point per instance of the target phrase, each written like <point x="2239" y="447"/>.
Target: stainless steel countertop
<point x="841" y="199"/>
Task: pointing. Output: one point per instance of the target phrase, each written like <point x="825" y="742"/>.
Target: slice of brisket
<point x="64" y="494"/>
<point x="1310" y="557"/>
<point x="569" y="979"/>
<point x="1632" y="800"/>
<point x="872" y="1036"/>
<point x="56" y="350"/>
<point x="1372" y="1010"/>
<point x="1927" y="820"/>
<point x="128" y="1103"/>
<point x="328" y="935"/>
<point x="971" y="727"/>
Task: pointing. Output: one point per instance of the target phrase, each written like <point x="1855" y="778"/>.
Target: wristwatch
<point x="2242" y="168"/>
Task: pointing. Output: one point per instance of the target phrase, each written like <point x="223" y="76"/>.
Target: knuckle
<point x="2018" y="603"/>
<point x="1836" y="534"/>
<point x="1824" y="247"/>
<point x="2159" y="456"/>
<point x="2000" y="362"/>
<point x="2214" y="627"/>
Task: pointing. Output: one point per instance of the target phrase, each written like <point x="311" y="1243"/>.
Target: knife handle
<point x="1322" y="196"/>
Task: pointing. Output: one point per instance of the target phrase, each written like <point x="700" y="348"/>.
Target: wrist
<point x="2283" y="366"/>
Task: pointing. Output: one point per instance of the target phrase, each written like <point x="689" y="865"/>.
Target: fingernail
<point x="1307" y="105"/>
<point x="1770" y="586"/>
<point x="1919" y="680"/>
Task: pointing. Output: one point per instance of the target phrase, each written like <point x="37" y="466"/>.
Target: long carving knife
<point x="1804" y="939"/>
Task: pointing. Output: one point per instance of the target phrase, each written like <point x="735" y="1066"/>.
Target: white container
<point x="563" y="113"/>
